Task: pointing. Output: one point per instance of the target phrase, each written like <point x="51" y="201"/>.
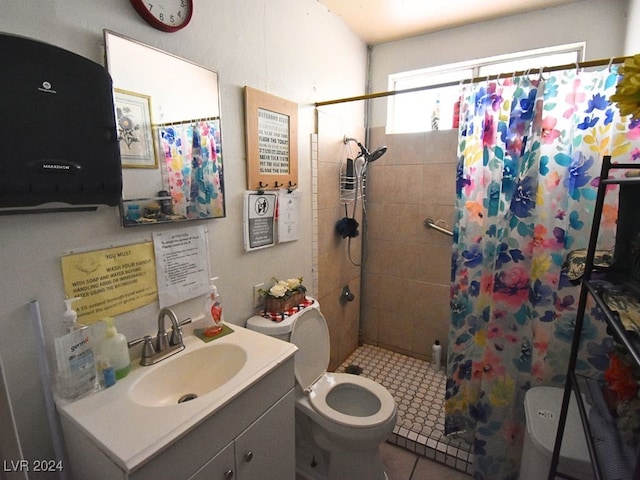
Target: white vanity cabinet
<point x="251" y="437"/>
<point x="263" y="451"/>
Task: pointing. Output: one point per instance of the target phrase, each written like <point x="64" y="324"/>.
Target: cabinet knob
<point x="248" y="456"/>
<point x="228" y="475"/>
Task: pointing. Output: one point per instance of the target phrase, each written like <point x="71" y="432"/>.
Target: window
<point x="433" y="108"/>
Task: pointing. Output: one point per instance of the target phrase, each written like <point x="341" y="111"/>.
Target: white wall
<point x="632" y="43"/>
<point x="295" y="50"/>
<point x="601" y="24"/>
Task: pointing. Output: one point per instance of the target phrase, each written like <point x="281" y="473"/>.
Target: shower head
<point x="364" y="152"/>
<point x="376" y="154"/>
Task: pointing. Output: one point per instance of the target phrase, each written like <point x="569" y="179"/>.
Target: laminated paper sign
<point x="110" y="281"/>
<point x="259" y="220"/>
<point x="288" y="215"/>
<point x="182" y="264"/>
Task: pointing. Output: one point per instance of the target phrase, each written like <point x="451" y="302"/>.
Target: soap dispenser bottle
<point x="70" y="316"/>
<point x="213" y="311"/>
<point x="115" y="347"/>
<point x="76" y="369"/>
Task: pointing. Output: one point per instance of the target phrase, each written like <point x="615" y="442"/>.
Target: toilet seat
<point x="311" y="335"/>
<point x="363" y="391"/>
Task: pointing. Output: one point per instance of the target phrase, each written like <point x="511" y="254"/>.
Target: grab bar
<point x="428" y="223"/>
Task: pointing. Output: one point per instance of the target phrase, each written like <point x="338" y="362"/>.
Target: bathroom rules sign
<point x="110" y="281"/>
<point x="259" y="220"/>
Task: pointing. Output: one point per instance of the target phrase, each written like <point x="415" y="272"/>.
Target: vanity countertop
<point x="130" y="433"/>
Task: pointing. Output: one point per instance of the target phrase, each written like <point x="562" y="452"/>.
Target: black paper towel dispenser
<point x="58" y="140"/>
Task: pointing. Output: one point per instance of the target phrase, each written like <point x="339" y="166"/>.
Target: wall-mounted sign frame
<point x="272" y="141"/>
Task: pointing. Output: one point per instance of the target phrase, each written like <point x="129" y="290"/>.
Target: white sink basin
<point x="123" y="420"/>
<point x="189" y="376"/>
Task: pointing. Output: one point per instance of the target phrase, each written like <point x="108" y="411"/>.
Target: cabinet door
<point x="220" y="467"/>
<point x="266" y="450"/>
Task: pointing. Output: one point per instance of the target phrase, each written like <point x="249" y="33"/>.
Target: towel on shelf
<point x="616" y="459"/>
<point x="575" y="262"/>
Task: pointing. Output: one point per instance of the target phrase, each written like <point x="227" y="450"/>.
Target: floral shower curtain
<point x="529" y="153"/>
<point x="194" y="168"/>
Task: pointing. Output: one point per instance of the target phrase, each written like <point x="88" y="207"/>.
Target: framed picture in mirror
<point x="135" y="130"/>
<point x="272" y="141"/>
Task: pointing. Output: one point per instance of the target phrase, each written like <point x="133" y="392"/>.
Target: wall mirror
<point x="168" y="119"/>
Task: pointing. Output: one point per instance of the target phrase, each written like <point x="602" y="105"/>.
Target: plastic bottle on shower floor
<point x="436" y="356"/>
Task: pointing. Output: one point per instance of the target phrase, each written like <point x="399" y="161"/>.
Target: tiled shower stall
<point x="402" y="306"/>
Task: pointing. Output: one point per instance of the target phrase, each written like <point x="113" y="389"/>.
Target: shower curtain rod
<point x="568" y="66"/>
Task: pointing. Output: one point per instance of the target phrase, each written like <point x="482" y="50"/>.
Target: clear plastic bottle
<point x="115" y="347"/>
<point x="213" y="311"/>
<point x="436" y="356"/>
<point x="76" y="368"/>
<point x="106" y="372"/>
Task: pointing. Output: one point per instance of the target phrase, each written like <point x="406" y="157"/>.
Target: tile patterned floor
<point x="419" y="393"/>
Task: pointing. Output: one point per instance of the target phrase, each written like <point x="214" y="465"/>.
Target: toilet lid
<point x="311" y="335"/>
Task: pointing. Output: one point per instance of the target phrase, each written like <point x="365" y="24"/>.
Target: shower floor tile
<point x="419" y="394"/>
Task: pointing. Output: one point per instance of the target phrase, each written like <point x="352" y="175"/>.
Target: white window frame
<point x="445" y="80"/>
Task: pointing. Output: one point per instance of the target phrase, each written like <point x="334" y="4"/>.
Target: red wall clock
<point x="165" y="15"/>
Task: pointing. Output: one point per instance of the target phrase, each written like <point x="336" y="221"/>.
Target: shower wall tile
<point x="401" y="222"/>
<point x="402" y="183"/>
<point x="375" y="221"/>
<point x="413" y="181"/>
<point x="369" y="329"/>
<point x="441" y="146"/>
<point x="377" y="176"/>
<point x="433" y="264"/>
<point x="332" y="312"/>
<point x="329" y="184"/>
<point x="395" y="327"/>
<point x="399" y="259"/>
<point x="438" y="184"/>
<point x="376" y="260"/>
<point x="405" y="149"/>
<point x="334" y="270"/>
<point x="328" y="240"/>
<point x="371" y="285"/>
<point x="328" y="274"/>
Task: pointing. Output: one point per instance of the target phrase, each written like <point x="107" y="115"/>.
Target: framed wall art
<point x="272" y="141"/>
<point x="135" y="131"/>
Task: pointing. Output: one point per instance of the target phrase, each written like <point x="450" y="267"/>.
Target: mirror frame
<point x="166" y="122"/>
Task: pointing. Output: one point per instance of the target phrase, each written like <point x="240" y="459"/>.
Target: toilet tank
<point x="280" y="330"/>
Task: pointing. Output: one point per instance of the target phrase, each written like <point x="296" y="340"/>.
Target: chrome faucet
<point x="165" y="346"/>
<point x="162" y="340"/>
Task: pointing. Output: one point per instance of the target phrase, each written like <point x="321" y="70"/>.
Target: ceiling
<point x="379" y="21"/>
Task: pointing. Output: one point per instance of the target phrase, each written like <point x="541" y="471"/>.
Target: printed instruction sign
<point x="110" y="281"/>
<point x="288" y="215"/>
<point x="182" y="263"/>
<point x="259" y="220"/>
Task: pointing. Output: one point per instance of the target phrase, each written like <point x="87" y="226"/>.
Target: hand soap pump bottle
<point x="213" y="311"/>
<point x="115" y="347"/>
<point x="70" y="316"/>
<point x="76" y="372"/>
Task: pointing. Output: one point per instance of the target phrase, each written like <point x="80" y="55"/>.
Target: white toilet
<point x="341" y="419"/>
